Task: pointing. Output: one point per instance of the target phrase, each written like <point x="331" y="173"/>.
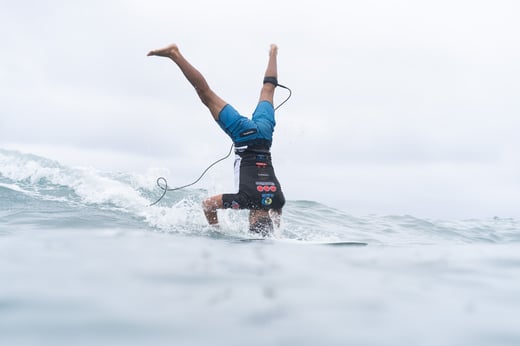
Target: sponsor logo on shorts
<point x="266" y="187"/>
<point x="267" y="199"/>
<point x="248" y="132"/>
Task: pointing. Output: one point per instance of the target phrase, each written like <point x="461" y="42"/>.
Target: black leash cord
<point x="288" y="97"/>
<point x="165" y="187"/>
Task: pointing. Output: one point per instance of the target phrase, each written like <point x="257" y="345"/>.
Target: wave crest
<point x="44" y="193"/>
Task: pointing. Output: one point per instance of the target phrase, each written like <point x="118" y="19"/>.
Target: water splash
<point x="44" y="193"/>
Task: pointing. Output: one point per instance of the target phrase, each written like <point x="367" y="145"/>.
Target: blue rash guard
<point x="255" y="179"/>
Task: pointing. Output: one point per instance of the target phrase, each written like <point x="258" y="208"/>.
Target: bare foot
<point x="170" y="51"/>
<point x="273" y="50"/>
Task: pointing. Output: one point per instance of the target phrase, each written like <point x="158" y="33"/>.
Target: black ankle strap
<point x="271" y="80"/>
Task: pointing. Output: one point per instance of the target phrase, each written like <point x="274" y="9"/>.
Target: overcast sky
<point x="398" y="107"/>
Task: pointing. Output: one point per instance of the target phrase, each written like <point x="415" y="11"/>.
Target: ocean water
<point x="84" y="260"/>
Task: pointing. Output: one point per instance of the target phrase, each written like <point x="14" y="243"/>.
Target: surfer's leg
<point x="267" y="92"/>
<point x="210" y="206"/>
<point x="207" y="96"/>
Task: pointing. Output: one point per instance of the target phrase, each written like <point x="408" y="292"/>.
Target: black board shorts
<point x="258" y="187"/>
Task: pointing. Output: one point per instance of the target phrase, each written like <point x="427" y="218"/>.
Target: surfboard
<point x="310" y="242"/>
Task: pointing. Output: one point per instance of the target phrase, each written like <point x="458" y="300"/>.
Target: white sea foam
<point x="37" y="176"/>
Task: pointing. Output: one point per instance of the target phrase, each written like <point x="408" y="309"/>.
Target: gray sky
<point x="399" y="107"/>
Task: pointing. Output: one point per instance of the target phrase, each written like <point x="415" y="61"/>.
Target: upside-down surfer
<point x="258" y="188"/>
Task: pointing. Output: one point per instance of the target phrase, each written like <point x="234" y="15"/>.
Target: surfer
<point x="259" y="190"/>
